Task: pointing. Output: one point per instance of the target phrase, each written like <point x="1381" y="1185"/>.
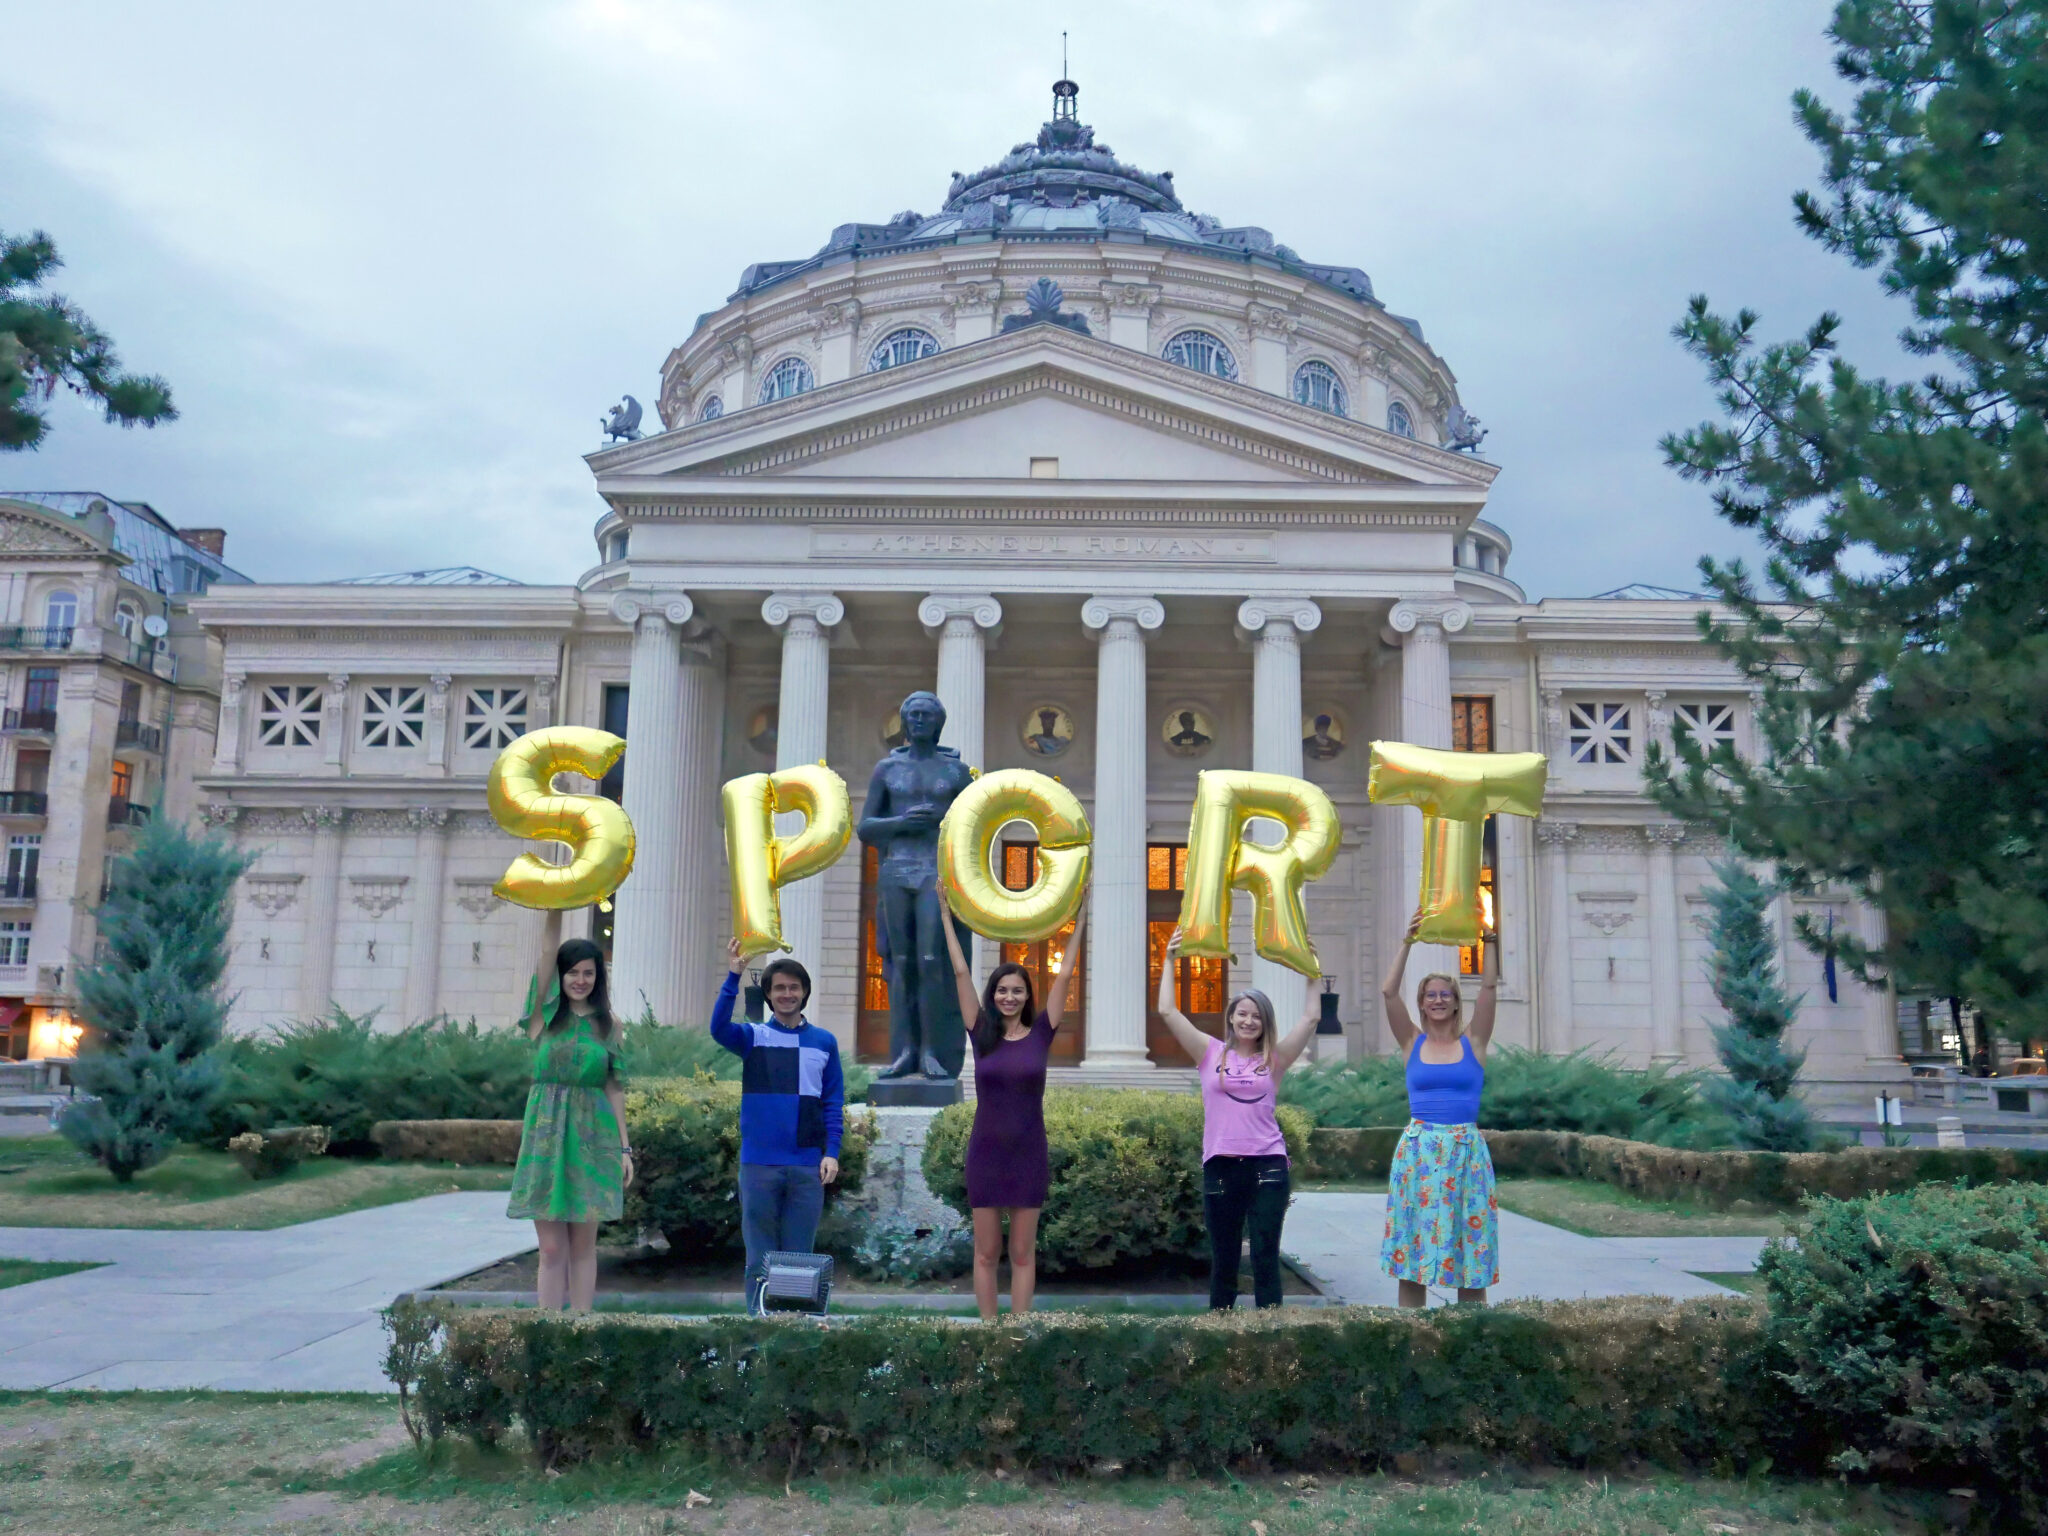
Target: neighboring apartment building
<point x="109" y="697"/>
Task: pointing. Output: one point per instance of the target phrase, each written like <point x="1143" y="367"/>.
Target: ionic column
<point x="1667" y="1042"/>
<point x="430" y="869"/>
<point x="805" y="619"/>
<point x="704" y="893"/>
<point x="1274" y="626"/>
<point x="1116" y="931"/>
<point x="1880" y="1003"/>
<point x="645" y="959"/>
<point x="960" y="621"/>
<point x="1554" y="1029"/>
<point x="1422" y="628"/>
<point x="323" y="900"/>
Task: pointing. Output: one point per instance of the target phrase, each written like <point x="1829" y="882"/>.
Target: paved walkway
<point x="1336" y="1238"/>
<point x="289" y="1310"/>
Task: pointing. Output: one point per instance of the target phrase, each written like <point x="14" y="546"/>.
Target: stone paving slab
<point x="294" y="1309"/>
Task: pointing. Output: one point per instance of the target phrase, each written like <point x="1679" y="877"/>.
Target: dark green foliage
<point x="1600" y="1383"/>
<point x="686" y="1160"/>
<point x="1756" y="1095"/>
<point x="45" y="341"/>
<point x="1126" y="1175"/>
<point x="1897" y="631"/>
<point x="1525" y="1091"/>
<point x="154" y="1004"/>
<point x="898" y="1254"/>
<point x="266" y="1154"/>
<point x="1919" y="1324"/>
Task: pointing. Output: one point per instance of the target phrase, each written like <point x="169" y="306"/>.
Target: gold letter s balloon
<point x="1456" y="792"/>
<point x="1220" y="858"/>
<point x="763" y="863"/>
<point x="523" y="801"/>
<point x="967" y="838"/>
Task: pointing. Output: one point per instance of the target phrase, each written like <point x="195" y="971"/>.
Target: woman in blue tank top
<point x="1442" y="1229"/>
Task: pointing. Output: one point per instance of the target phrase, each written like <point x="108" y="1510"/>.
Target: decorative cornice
<point x="429" y="818"/>
<point x="1556" y="834"/>
<point x="323" y="817"/>
<point x="1173" y="513"/>
<point x="1099" y="612"/>
<point x="780" y="607"/>
<point x="220" y="814"/>
<point x="1665" y="834"/>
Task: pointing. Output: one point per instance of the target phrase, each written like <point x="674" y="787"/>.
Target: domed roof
<point x="1063" y="185"/>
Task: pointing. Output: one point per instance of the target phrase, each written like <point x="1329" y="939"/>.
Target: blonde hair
<point x="1263" y="1005"/>
<point x="1457" y="997"/>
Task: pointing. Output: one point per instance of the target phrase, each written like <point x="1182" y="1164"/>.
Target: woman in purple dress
<point x="1008" y="1170"/>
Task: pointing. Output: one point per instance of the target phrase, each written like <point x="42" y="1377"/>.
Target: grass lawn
<point x="1600" y="1210"/>
<point x="340" y="1466"/>
<point x="28" y="1271"/>
<point x="46" y="1182"/>
<point x="1747" y="1281"/>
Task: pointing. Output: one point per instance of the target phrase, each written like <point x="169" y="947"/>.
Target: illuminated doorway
<point x="1201" y="986"/>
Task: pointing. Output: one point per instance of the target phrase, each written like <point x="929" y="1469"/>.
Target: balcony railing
<point x="36" y="721"/>
<point x="18" y="888"/>
<point x="22" y="637"/>
<point x="134" y="733"/>
<point x="125" y="813"/>
<point x="24" y="802"/>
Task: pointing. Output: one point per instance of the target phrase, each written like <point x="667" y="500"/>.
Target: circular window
<point x="1317" y="386"/>
<point x="1399" y="421"/>
<point x="1203" y="353"/>
<point x="791" y="376"/>
<point x="904" y="346"/>
<point x="713" y="409"/>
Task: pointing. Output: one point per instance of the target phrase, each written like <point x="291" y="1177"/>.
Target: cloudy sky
<point x="397" y="259"/>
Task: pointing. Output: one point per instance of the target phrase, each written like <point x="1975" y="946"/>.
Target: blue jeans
<point x="779" y="1209"/>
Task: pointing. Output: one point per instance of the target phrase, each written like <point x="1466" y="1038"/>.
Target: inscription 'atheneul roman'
<point x="1044" y="546"/>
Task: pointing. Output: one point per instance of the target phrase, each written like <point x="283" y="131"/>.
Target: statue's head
<point x="923" y="718"/>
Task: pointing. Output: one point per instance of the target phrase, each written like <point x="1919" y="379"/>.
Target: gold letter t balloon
<point x="523" y="801"/>
<point x="1456" y="792"/>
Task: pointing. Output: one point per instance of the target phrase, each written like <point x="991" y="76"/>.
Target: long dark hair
<point x="572" y="954"/>
<point x="988" y="1028"/>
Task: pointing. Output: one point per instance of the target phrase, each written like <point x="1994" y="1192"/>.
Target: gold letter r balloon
<point x="523" y="801"/>
<point x="763" y="863"/>
<point x="1456" y="792"/>
<point x="1220" y="857"/>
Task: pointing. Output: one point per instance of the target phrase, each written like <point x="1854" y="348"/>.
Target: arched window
<point x="127" y="620"/>
<point x="1317" y="386"/>
<point x="713" y="409"/>
<point x="904" y="346"/>
<point x="60" y="611"/>
<point x="1399" y="421"/>
<point x="791" y="376"/>
<point x="1202" y="352"/>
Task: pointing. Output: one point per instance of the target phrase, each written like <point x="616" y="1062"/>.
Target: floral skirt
<point x="569" y="1166"/>
<point x="1441" y="1224"/>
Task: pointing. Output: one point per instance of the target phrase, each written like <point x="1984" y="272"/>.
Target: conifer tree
<point x="1757" y="1094"/>
<point x="153" y="1004"/>
<point x="1897" y="633"/>
<point x="45" y="341"/>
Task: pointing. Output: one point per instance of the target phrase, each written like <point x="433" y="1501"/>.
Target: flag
<point x="1828" y="958"/>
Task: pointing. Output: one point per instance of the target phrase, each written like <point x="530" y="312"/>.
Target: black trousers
<point x="1237" y="1191"/>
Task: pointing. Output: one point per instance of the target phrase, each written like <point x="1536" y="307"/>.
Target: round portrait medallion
<point x="1047" y="730"/>
<point x="1322" y="735"/>
<point x="1188" y="730"/>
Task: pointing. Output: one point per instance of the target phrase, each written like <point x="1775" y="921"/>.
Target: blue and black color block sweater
<point x="792" y="1093"/>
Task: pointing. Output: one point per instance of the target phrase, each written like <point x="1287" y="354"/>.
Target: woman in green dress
<point x="574" y="1160"/>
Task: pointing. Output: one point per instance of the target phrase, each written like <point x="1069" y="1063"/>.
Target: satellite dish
<point x="155" y="627"/>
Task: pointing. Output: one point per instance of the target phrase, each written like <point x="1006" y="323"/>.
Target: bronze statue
<point x="907" y="799"/>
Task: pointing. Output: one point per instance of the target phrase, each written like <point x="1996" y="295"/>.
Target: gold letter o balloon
<point x="967" y="843"/>
<point x="523" y="801"/>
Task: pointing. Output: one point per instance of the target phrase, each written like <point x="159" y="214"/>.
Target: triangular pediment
<point x="31" y="532"/>
<point x="984" y="410"/>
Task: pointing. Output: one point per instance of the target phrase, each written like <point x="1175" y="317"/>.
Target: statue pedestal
<point x="915" y="1092"/>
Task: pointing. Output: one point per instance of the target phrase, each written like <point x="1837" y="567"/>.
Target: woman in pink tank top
<point x="1244" y="1156"/>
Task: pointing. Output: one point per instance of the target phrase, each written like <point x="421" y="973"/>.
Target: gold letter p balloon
<point x="763" y="863"/>
<point x="1456" y="792"/>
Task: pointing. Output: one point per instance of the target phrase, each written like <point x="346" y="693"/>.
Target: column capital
<point x="1664" y="834"/>
<point x="632" y="604"/>
<point x="1556" y="834"/>
<point x="780" y="607"/>
<point x="1099" y="612"/>
<point x="1255" y="613"/>
<point x="980" y="607"/>
<point x="320" y="817"/>
<point x="1410" y="614"/>
<point x="428" y="818"/>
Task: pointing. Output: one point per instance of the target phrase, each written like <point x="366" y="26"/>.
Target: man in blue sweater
<point x="792" y="1111"/>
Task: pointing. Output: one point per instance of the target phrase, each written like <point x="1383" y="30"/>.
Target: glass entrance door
<point x="1201" y="987"/>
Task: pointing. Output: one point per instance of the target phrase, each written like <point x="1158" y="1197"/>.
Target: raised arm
<point x="543" y="975"/>
<point x="1191" y="1039"/>
<point x="1056" y="1004"/>
<point x="1480" y="1031"/>
<point x="963" y="977"/>
<point x="737" y="1038"/>
<point x="1399" y="1024"/>
<point x="1289" y="1050"/>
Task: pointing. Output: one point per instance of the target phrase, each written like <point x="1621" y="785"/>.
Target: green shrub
<point x="266" y="1154"/>
<point x="686" y="1159"/>
<point x="474" y="1142"/>
<point x="1525" y="1091"/>
<point x="1586" y="1383"/>
<point x="1351" y="1154"/>
<point x="1919" y="1323"/>
<point x="1126" y="1175"/>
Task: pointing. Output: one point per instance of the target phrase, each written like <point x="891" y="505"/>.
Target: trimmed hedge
<point x="1584" y="1383"/>
<point x="1710" y="1178"/>
<point x="1126" y="1175"/>
<point x="686" y="1159"/>
<point x="1918" y="1323"/>
<point x="448" y="1141"/>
